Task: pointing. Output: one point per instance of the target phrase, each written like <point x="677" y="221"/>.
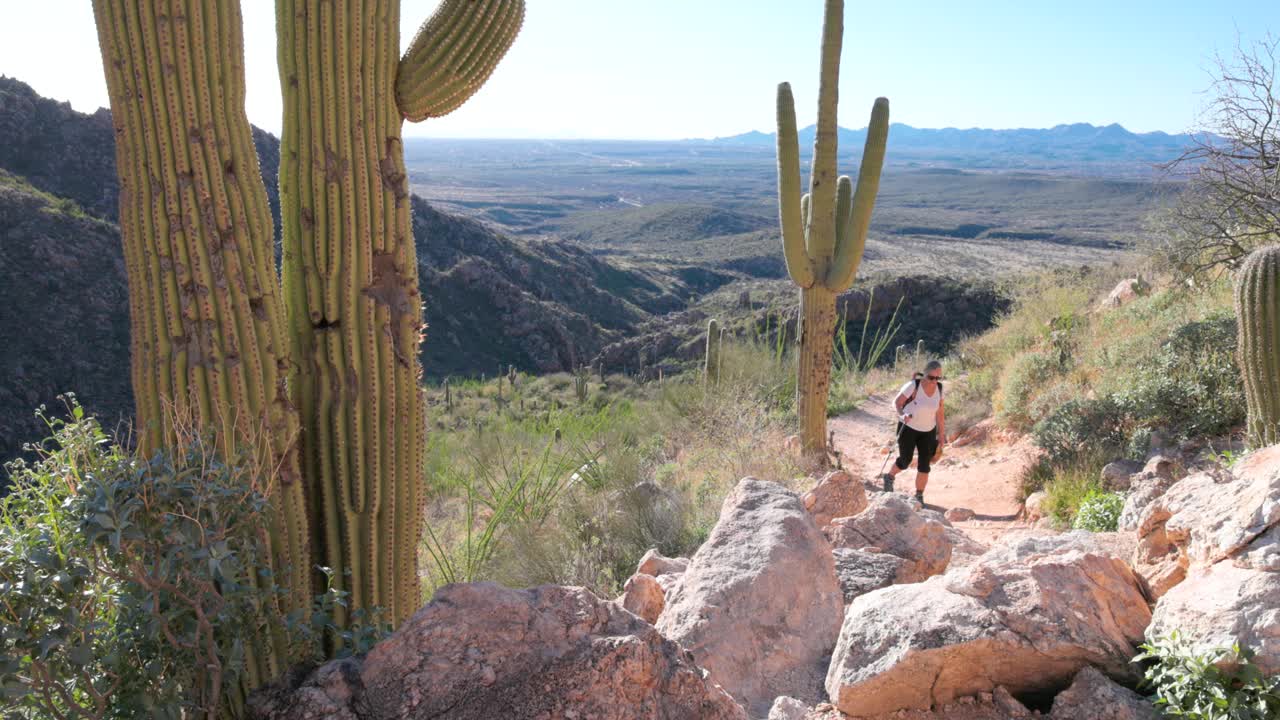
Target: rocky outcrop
<point x="1094" y="696"/>
<point x="759" y="606"/>
<point x="836" y="495"/>
<point x="481" y="651"/>
<point x="788" y="708"/>
<point x="1204" y="519"/>
<point x="1221" y="605"/>
<point x="1027" y="616"/>
<point x="891" y="524"/>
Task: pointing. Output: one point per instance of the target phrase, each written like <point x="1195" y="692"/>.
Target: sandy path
<point x="981" y="476"/>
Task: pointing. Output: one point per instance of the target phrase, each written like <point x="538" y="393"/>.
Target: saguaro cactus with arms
<point x="824" y="232"/>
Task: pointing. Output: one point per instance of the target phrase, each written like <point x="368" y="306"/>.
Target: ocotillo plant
<point x="825" y="231"/>
<point x="212" y="338"/>
<point x="1257" y="295"/>
<point x="711" y="363"/>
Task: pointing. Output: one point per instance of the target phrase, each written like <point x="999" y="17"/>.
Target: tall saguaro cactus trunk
<point x="825" y="231"/>
<point x="1257" y="295"/>
<point x="351" y="287"/>
<point x="350" y="269"/>
<point x="206" y="320"/>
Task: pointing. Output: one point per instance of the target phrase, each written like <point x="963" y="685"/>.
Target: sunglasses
<point x="934" y="378"/>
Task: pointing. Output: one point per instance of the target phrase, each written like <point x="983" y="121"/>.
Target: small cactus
<point x="711" y="364"/>
<point x="581" y="377"/>
<point x="448" y="396"/>
<point x="1257" y="297"/>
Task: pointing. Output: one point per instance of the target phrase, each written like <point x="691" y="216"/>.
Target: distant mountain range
<point x="1061" y="146"/>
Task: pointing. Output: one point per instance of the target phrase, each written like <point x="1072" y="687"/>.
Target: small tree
<point x="1231" y="203"/>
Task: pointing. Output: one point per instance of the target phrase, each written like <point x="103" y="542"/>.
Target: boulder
<point x="644" y="596"/>
<point x="964" y="549"/>
<point x="836" y="495"/>
<point x="1124" y="292"/>
<point x="760" y="605"/>
<point x="892" y="524"/>
<point x="656" y="564"/>
<point x="959" y="514"/>
<point x="1163" y="466"/>
<point x="1027" y="616"/>
<point x="1115" y="475"/>
<point x="480" y="650"/>
<point x="861" y="571"/>
<point x="1094" y="696"/>
<point x="1223" y="604"/>
<point x="788" y="708"/>
<point x="1034" y="505"/>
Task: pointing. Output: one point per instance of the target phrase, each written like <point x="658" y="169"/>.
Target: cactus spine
<point x="824" y="232"/>
<point x="711" y="364"/>
<point x="1257" y="296"/>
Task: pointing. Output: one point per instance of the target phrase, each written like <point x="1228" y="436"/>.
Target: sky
<point x="668" y="69"/>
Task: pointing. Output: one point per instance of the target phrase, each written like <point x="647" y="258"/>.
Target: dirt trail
<point x="981" y="475"/>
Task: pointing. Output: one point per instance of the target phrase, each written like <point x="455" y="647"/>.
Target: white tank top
<point x="924" y="409"/>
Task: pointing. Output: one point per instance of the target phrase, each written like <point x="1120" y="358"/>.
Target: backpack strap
<point x="914" y="392"/>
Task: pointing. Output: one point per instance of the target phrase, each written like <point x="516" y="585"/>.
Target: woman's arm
<point x="942" y="421"/>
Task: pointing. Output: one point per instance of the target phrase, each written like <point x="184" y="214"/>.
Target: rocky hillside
<point x="490" y="300"/>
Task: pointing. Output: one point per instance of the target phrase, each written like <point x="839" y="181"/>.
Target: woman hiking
<point x="922" y="426"/>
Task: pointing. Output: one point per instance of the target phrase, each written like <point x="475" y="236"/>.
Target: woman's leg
<point x="906" y="446"/>
<point x="927" y="446"/>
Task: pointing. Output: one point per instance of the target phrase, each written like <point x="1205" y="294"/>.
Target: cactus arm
<point x="822" y="181"/>
<point x="844" y="202"/>
<point x="454" y="53"/>
<point x="853" y="241"/>
<point x="791" y="209"/>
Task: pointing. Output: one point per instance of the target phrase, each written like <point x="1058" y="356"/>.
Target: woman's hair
<point x="931" y="365"/>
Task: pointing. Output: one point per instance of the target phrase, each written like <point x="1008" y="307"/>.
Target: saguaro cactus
<point x="350" y="269"/>
<point x="214" y="336"/>
<point x="1257" y="295"/>
<point x="711" y="364"/>
<point x="207" y="324"/>
<point x="825" y="231"/>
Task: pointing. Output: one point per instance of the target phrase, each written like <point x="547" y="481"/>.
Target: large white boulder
<point x="760" y="605"/>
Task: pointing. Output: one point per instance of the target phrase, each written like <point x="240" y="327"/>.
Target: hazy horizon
<point x="590" y="70"/>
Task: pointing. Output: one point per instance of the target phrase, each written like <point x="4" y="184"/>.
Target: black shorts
<point x="911" y="440"/>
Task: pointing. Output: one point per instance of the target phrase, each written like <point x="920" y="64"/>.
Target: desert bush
<point x="1022" y="377"/>
<point x="1221" y="684"/>
<point x="1079" y="428"/>
<point x="1068" y="487"/>
<point x="1191" y="386"/>
<point x="1099" y="512"/>
<point x="131" y="587"/>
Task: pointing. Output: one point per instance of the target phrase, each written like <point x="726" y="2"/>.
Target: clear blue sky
<point x="706" y="68"/>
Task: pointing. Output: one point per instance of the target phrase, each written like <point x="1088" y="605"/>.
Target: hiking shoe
<point x="888" y="482"/>
<point x="920" y="496"/>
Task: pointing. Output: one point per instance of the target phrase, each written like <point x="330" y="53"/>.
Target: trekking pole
<point x="901" y="425"/>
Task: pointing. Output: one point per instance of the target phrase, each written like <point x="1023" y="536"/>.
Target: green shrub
<point x="1083" y="427"/>
<point x="1191" y="387"/>
<point x="1099" y="512"/>
<point x="130" y="587"/>
<point x="1068" y="486"/>
<point x="1216" y="685"/>
<point x="1019" y="382"/>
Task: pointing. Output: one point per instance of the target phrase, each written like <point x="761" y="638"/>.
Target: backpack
<point x="917" y="378"/>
